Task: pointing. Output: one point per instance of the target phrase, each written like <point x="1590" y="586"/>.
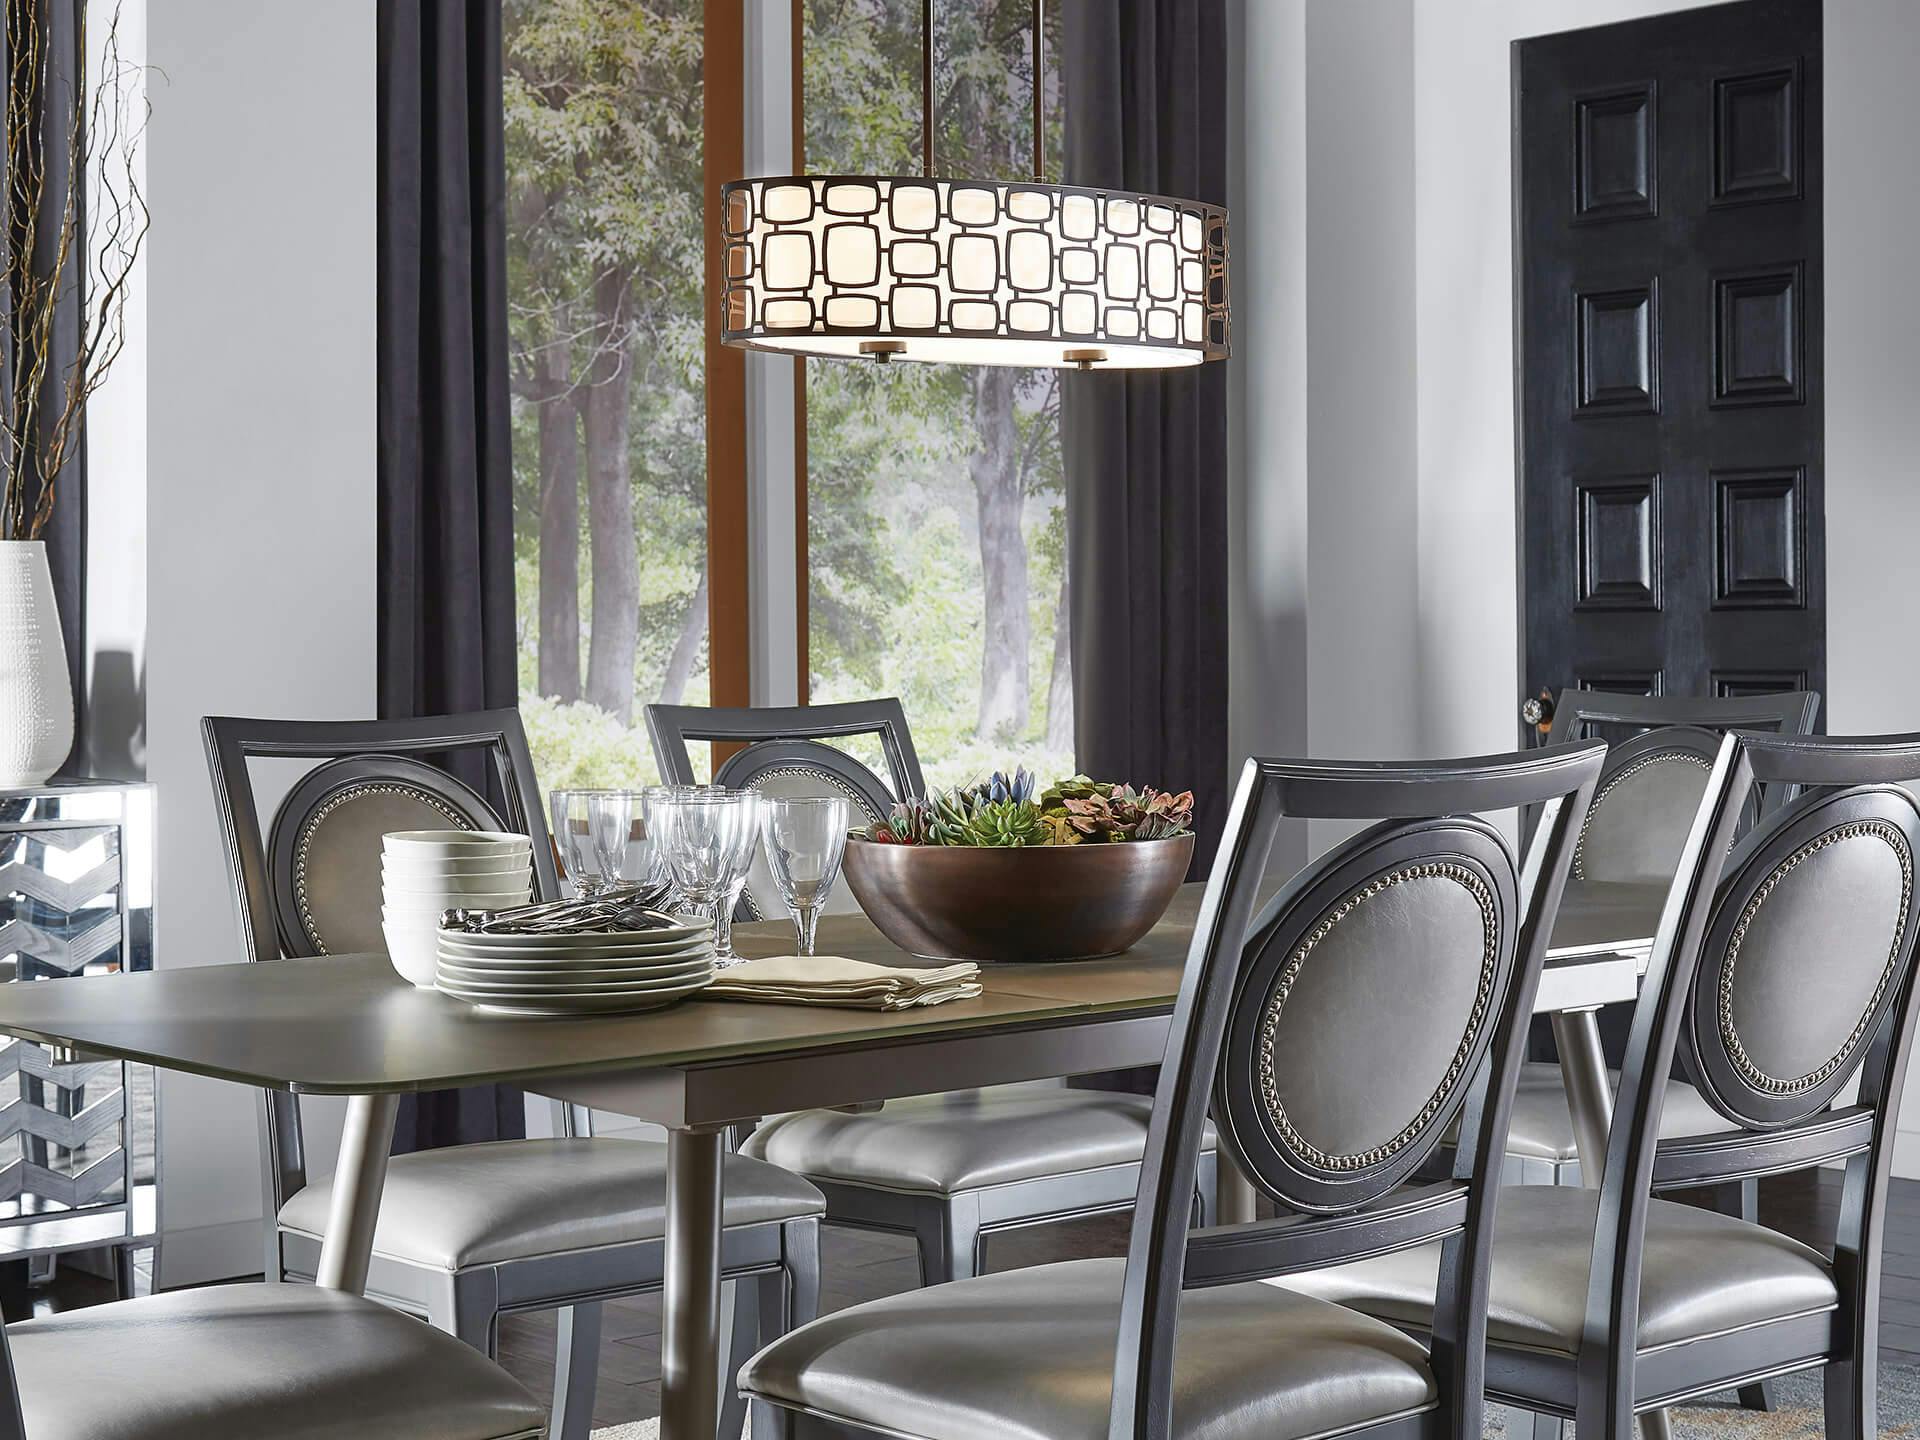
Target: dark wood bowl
<point x="1043" y="902"/>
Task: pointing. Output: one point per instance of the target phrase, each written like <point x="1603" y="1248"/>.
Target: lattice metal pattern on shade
<point x="973" y="272"/>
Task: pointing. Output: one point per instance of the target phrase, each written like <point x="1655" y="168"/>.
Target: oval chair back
<point x="1421" y="939"/>
<point x="1781" y="972"/>
<point x="782" y="752"/>
<point x="1650" y="790"/>
<point x="1624" y="719"/>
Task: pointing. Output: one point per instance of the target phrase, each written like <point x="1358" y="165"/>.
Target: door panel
<point x="1669" y="386"/>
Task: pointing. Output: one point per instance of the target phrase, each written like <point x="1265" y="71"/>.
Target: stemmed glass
<point x="805" y="838"/>
<point x="708" y="836"/>
<point x="573" y="816"/>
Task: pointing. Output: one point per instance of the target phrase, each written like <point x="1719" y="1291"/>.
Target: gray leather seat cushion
<point x="513" y="1199"/>
<point x="1703" y="1274"/>
<point x="962" y="1141"/>
<point x="287" y="1361"/>
<point x="1028" y="1355"/>
<point x="1542" y="1127"/>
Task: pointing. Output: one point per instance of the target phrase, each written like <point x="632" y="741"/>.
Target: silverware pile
<point x="619" y="908"/>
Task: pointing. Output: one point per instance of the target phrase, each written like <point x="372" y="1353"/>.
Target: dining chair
<point x="1420" y="939"/>
<point x="1782" y="973"/>
<point x="1663" y="750"/>
<point x="252" y="1360"/>
<point x="470" y="1232"/>
<point x="949" y="1169"/>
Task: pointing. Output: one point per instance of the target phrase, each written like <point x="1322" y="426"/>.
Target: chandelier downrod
<point x="926" y="88"/>
<point x="1039" y="100"/>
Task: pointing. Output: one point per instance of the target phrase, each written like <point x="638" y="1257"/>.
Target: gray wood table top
<point x="349" y="1024"/>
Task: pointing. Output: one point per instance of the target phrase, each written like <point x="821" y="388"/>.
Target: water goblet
<point x="805" y="837"/>
<point x="708" y="836"/>
<point x="573" y="834"/>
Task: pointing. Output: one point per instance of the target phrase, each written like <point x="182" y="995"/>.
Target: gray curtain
<point x="445" y="447"/>
<point x="1146" y="454"/>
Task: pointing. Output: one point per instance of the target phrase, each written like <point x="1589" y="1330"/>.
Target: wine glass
<point x="805" y="837"/>
<point x="573" y="834"/>
<point x="708" y="836"/>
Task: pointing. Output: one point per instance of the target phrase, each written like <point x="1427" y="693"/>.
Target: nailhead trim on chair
<point x="1751" y="1073"/>
<point x="1659" y="757"/>
<point x="334" y="802"/>
<point x="1489" y="961"/>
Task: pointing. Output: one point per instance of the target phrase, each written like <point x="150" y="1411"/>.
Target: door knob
<point x="1537" y="711"/>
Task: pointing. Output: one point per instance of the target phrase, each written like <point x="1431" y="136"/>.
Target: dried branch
<point x="46" y="255"/>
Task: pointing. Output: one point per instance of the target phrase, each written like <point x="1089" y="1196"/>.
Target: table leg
<point x="1583" y="1068"/>
<point x="1234" y="1204"/>
<point x="690" y="1327"/>
<point x="358" y="1179"/>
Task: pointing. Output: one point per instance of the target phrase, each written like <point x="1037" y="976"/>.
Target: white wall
<point x="1361" y="456"/>
<point x="1267" y="458"/>
<point x="261" y="501"/>
<point x="113" y="741"/>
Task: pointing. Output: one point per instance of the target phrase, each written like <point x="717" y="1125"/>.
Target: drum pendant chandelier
<point x="973" y="272"/>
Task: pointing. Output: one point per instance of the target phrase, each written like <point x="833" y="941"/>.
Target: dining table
<point x="348" y="1025"/>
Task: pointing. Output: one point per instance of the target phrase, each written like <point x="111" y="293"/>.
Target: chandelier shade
<point x="973" y="272"/>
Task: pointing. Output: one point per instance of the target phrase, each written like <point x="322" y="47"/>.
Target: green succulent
<point x="907" y="824"/>
<point x="1001" y="812"/>
<point x="1006" y="823"/>
<point x="1077" y="787"/>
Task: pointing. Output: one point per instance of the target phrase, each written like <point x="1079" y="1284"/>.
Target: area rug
<point x="1798" y="1418"/>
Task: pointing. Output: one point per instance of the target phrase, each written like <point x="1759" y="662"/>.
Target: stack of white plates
<point x="577" y="974"/>
<point x="424" y="873"/>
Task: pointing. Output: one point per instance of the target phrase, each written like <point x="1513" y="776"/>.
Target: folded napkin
<point x="836" y="980"/>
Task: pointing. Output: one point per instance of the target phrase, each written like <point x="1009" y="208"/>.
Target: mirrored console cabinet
<point x="77" y="1144"/>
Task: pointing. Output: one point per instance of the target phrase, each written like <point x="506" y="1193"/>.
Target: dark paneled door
<point x="1669" y="385"/>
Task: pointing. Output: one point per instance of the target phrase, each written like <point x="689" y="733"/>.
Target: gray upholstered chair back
<point x="1335" y="1037"/>
<point x="1809" y="946"/>
<point x="782" y="752"/>
<point x="1649" y="793"/>
<point x="1399" y="943"/>
<point x="309" y="883"/>
<point x="1652" y="784"/>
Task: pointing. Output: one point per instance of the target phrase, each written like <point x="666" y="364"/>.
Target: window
<point x="934" y="529"/>
<point x="935" y="495"/>
<point x="606" y="270"/>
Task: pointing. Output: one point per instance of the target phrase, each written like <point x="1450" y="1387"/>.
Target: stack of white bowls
<point x="425" y="873"/>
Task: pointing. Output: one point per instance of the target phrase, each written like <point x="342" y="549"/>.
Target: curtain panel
<point x="446" y="603"/>
<point x="1146" y="454"/>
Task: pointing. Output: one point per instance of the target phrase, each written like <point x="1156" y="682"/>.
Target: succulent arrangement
<point x="1004" y="811"/>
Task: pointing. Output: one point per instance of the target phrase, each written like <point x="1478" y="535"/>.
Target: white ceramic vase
<point x="36" y="700"/>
